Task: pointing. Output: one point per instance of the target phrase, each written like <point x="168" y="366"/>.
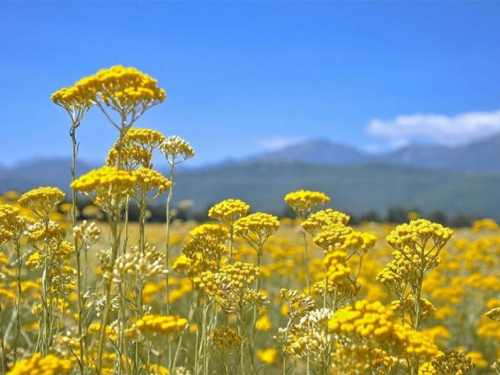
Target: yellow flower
<point x="257" y="228"/>
<point x="152" y="325"/>
<point x="303" y="202"/>
<point x="42" y="200"/>
<point x="123" y="89"/>
<point x="267" y="356"/>
<point x="38" y="365"/>
<point x="107" y="186"/>
<point x="229" y="210"/>
<point x="264" y="324"/>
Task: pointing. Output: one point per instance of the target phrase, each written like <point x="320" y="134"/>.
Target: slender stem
<point x="306" y="262"/>
<point x="254" y="317"/>
<point x="114" y="221"/>
<point x="2" y="345"/>
<point x="17" y="245"/>
<point x="167" y="248"/>
<point x="74" y="202"/>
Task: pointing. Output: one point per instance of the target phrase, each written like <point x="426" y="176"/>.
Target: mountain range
<point x="463" y="179"/>
<point x="479" y="156"/>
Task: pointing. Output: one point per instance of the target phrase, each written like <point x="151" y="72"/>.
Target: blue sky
<point x="247" y="76"/>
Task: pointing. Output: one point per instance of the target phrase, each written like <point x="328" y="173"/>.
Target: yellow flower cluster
<point x="453" y="362"/>
<point x="42" y="200"/>
<point x="187" y="266"/>
<point x="71" y="99"/>
<point x="226" y="338"/>
<point x="303" y="202"/>
<point x="149" y="180"/>
<point x="485" y="225"/>
<point x="229" y="210"/>
<point x="107" y="186"/>
<point x="207" y="243"/>
<point x="152" y="325"/>
<point x="40" y="234"/>
<point x="257" y="228"/>
<point x="239" y="275"/>
<point x="426" y="307"/>
<point x="124" y="89"/>
<point x="322" y="219"/>
<point x="209" y="284"/>
<point x="361" y="359"/>
<point x="36" y="364"/>
<point x="417" y="233"/>
<point x="12" y="225"/>
<point x="332" y="236"/>
<point x="136" y="149"/>
<point x="373" y="321"/>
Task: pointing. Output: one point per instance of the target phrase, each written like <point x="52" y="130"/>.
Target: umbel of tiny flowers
<point x="228" y="211"/>
<point x="42" y="201"/>
<point x="418" y="245"/>
<point x="137" y="148"/>
<point x="303" y="202"/>
<point x="125" y="90"/>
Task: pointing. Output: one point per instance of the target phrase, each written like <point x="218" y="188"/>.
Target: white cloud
<point x="447" y="130"/>
<point x="277" y="143"/>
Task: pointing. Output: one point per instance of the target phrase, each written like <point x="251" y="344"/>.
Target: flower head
<point x="107" y="186"/>
<point x="320" y="220"/>
<point x="176" y="150"/>
<point x="148" y="181"/>
<point x="257" y="228"/>
<point x="126" y="90"/>
<point x="74" y="102"/>
<point x="42" y="200"/>
<point x="161" y="325"/>
<point x="229" y="211"/>
<point x="136" y="148"/>
<point x="303" y="202"/>
<point x="36" y="364"/>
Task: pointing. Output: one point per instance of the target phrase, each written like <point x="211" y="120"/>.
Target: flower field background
<point x="245" y="293"/>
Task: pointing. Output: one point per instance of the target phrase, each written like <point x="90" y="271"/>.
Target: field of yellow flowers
<point x="245" y="293"/>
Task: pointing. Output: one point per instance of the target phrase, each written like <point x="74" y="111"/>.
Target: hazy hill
<point x="463" y="179"/>
<point x="480" y="156"/>
<point x="40" y="172"/>
<point x="355" y="189"/>
<point x="316" y="152"/>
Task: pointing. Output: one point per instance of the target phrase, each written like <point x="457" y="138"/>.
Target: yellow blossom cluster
<point x="149" y="180"/>
<point x="226" y="338"/>
<point x="107" y="186"/>
<point x="303" y="202"/>
<point x="257" y="227"/>
<point x="373" y="322"/>
<point x="229" y="210"/>
<point x="37" y="364"/>
<point x="152" y="325"/>
<point x="42" y="200"/>
<point x="417" y="233"/>
<point x="123" y="89"/>
<point x="136" y="148"/>
<point x="323" y="219"/>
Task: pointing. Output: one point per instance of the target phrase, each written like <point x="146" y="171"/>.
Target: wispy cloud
<point x="447" y="130"/>
<point x="277" y="143"/>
